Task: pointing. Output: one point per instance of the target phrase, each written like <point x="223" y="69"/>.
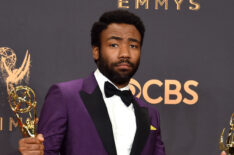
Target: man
<point x="98" y="115"/>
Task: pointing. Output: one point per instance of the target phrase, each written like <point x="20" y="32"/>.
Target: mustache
<point x="124" y="61"/>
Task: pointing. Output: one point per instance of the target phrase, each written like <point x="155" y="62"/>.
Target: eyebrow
<point x="119" y="38"/>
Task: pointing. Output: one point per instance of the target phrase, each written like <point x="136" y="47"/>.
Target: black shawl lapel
<point x="100" y="118"/>
<point x="143" y="129"/>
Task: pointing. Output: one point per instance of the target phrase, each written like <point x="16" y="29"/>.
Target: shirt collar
<point x="101" y="79"/>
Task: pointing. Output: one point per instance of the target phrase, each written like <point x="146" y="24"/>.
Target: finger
<point x="24" y="141"/>
<point x="32" y="141"/>
<point x="23" y="150"/>
<point x="31" y="147"/>
<point x="40" y="137"/>
<point x="223" y="153"/>
<point x="32" y="153"/>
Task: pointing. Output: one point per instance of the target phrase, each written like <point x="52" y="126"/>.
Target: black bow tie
<point x="125" y="95"/>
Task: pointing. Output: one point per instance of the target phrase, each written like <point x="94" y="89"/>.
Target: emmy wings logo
<point x="175" y="92"/>
<point x="12" y="75"/>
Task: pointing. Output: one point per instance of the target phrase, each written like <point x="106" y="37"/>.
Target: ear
<point x="95" y="52"/>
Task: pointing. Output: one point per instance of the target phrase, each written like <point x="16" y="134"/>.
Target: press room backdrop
<point x="186" y="69"/>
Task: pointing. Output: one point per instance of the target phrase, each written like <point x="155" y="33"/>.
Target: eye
<point x="113" y="45"/>
<point x="133" y="46"/>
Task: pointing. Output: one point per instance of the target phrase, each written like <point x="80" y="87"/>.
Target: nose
<point x="124" y="52"/>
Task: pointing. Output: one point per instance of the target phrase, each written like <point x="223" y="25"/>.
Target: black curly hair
<point x="116" y="16"/>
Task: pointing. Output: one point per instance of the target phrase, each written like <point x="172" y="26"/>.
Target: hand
<point x="223" y="153"/>
<point x="32" y="146"/>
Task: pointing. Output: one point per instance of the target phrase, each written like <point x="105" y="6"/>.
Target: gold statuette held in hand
<point x="228" y="147"/>
<point x="22" y="100"/>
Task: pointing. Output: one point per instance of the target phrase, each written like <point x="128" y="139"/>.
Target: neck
<point x="122" y="85"/>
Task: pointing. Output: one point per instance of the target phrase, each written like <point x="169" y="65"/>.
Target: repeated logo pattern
<point x="13" y="76"/>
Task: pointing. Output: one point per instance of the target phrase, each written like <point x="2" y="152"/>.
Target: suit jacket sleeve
<point x="53" y="120"/>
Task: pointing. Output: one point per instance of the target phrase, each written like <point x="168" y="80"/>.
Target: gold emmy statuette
<point x="229" y="146"/>
<point x="22" y="100"/>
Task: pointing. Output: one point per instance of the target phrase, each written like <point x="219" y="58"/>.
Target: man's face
<point x="119" y="56"/>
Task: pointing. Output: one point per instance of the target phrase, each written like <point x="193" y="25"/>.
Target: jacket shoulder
<point x="71" y="85"/>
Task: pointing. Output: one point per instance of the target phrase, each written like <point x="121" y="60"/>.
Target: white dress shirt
<point x="122" y="118"/>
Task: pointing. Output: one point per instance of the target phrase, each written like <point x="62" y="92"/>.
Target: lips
<point x="124" y="66"/>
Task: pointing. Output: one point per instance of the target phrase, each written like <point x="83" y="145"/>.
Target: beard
<point x="120" y="77"/>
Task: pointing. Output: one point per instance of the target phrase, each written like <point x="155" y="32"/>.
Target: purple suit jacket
<point x="74" y="121"/>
